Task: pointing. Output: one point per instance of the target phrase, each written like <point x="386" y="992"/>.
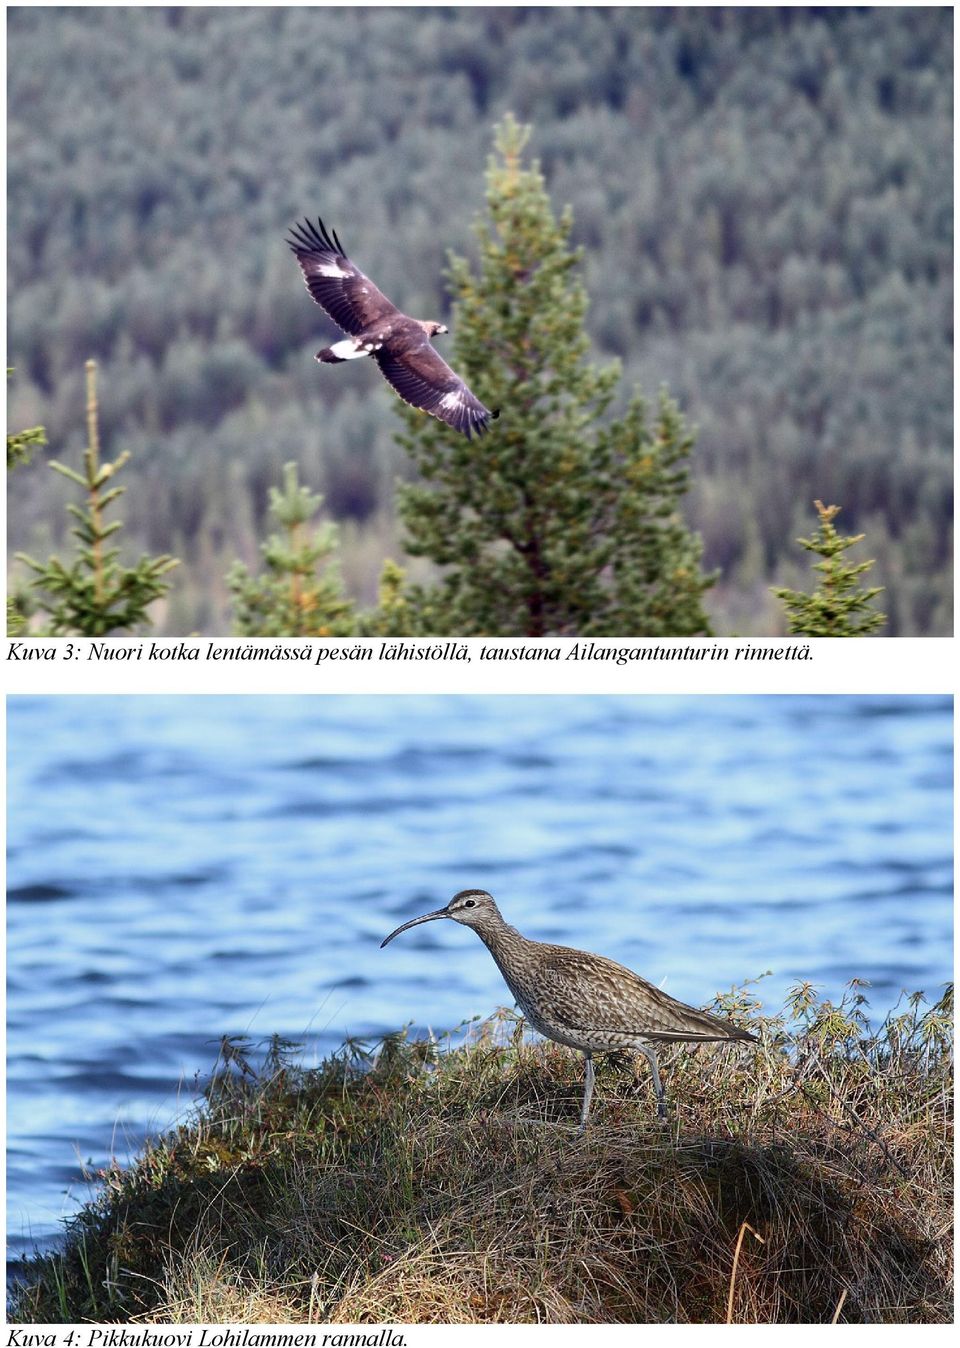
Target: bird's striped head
<point x="473" y="907"/>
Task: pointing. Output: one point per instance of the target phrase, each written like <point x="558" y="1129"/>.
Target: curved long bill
<point x="414" y="922"/>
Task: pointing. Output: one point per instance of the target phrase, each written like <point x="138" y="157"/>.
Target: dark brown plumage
<point x="399" y="344"/>
<point x="586" y="1001"/>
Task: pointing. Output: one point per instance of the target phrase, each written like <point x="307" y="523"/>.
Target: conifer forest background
<point x="763" y="197"/>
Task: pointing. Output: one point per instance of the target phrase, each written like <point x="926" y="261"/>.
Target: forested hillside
<point x="764" y="198"/>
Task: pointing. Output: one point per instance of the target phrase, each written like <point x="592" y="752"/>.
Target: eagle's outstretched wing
<point x="425" y="380"/>
<point x="350" y="298"/>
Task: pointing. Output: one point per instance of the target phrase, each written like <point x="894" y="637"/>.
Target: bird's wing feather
<point x="338" y="286"/>
<point x="424" y="379"/>
<point x="595" y="993"/>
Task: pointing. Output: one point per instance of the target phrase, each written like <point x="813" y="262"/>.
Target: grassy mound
<point x="426" y="1182"/>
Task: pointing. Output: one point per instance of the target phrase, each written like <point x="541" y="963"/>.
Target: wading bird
<point x="585" y="1001"/>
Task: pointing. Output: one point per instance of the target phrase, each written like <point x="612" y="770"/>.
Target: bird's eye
<point x="470" y="903"/>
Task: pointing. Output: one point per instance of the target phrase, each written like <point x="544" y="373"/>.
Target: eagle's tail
<point x="349" y="349"/>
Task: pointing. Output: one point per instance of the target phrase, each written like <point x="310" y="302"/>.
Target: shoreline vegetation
<point x="805" y="1179"/>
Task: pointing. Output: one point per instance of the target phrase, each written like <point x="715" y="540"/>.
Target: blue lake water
<point x="185" y="868"/>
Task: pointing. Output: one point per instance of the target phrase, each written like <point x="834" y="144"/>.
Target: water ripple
<point x="229" y="866"/>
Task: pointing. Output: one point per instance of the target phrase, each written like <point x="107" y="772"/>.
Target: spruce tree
<point x="292" y="598"/>
<point x="559" y="521"/>
<point x="840" y="606"/>
<point x="21" y="444"/>
<point x="94" y="594"/>
<point x="394" y="616"/>
<point x="20" y="447"/>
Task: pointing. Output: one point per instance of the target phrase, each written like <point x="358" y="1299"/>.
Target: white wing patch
<point x="331" y="269"/>
<point x="450" y="400"/>
<point x="348" y="349"/>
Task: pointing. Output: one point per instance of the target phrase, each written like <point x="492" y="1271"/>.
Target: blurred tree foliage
<point x="292" y="597"/>
<point x="554" y="524"/>
<point x="840" y="606"/>
<point x="94" y="594"/>
<point x="763" y="196"/>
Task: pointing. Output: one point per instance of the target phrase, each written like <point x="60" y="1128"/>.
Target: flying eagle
<point x="400" y="345"/>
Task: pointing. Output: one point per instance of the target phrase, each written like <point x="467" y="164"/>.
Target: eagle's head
<point x="438" y="329"/>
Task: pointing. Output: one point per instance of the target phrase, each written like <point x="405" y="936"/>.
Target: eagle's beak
<point x="414" y="922"/>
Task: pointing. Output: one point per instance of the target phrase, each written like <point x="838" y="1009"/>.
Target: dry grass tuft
<point x="432" y="1183"/>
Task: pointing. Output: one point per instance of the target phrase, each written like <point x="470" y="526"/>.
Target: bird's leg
<point x="587" y="1091"/>
<point x="651" y="1058"/>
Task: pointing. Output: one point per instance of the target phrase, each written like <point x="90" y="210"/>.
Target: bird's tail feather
<point x="328" y="358"/>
